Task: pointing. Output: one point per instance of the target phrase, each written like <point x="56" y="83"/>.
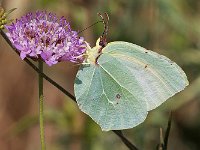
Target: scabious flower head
<point x="43" y="35"/>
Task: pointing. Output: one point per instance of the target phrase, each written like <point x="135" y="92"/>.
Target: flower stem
<point x="41" y="107"/>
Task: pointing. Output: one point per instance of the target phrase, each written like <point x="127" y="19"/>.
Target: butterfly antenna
<point x="105" y="21"/>
<point x="89" y="26"/>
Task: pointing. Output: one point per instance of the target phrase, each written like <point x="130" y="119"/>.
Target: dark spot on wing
<point x="145" y="66"/>
<point x="118" y="96"/>
<point x="146" y="52"/>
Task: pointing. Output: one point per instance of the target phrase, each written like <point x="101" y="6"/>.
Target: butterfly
<point x="120" y="82"/>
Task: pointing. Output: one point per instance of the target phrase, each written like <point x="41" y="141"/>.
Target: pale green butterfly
<point x="121" y="82"/>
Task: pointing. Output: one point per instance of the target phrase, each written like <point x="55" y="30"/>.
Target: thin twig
<point x="125" y="140"/>
<point x="130" y="145"/>
<point x="167" y="132"/>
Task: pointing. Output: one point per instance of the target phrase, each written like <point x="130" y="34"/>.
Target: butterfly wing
<point x="127" y="82"/>
<point x="102" y="94"/>
<point x="158" y="76"/>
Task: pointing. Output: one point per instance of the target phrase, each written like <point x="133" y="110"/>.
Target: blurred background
<point x="169" y="27"/>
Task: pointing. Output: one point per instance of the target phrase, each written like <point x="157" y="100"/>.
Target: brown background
<point x="168" y="27"/>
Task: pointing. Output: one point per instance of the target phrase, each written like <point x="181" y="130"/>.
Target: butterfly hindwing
<point x="106" y="98"/>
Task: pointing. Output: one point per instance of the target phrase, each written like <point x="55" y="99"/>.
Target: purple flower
<point x="42" y="35"/>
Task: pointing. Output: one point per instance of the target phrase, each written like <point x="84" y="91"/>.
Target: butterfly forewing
<point x="159" y="77"/>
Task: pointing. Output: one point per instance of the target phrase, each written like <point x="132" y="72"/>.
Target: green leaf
<point x="126" y="82"/>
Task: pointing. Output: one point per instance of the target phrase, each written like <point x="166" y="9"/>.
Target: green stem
<point x="41" y="107"/>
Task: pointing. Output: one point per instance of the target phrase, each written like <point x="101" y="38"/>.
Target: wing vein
<point x="115" y="80"/>
<point x="124" y="57"/>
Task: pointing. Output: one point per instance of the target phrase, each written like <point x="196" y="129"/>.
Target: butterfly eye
<point x="102" y="42"/>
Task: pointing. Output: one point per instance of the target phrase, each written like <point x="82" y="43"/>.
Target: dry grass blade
<point x="166" y="138"/>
